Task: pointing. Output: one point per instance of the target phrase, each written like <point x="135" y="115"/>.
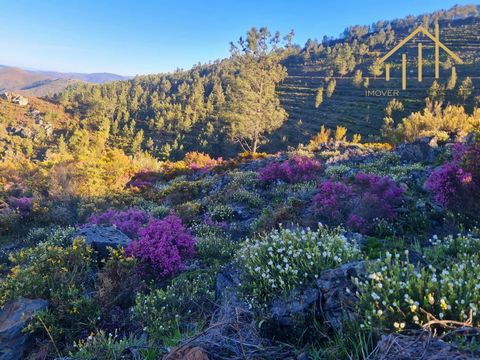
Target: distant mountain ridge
<point x="42" y="83"/>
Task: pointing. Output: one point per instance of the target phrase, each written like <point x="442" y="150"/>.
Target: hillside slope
<point x="43" y="83"/>
<point x="171" y="114"/>
<point x="349" y="106"/>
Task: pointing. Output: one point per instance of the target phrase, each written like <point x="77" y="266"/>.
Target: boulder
<point x="226" y="284"/>
<point x="290" y="317"/>
<point x="422" y="150"/>
<point x="407" y="347"/>
<point x="102" y="237"/>
<point x="337" y="293"/>
<point x="13" y="319"/>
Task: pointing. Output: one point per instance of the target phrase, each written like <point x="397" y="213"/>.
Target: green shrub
<point x="61" y="275"/>
<point x="303" y="190"/>
<point x="178" y="309"/>
<point x="248" y="198"/>
<point x="444" y="251"/>
<point x="221" y="212"/>
<point x="101" y="346"/>
<point x="242" y="179"/>
<point x="55" y="235"/>
<point x="214" y="244"/>
<point x="284" y="259"/>
<point x="337" y="171"/>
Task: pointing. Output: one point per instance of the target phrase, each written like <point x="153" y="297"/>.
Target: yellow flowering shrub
<point x="59" y="274"/>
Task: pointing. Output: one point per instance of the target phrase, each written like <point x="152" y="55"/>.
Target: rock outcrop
<point x="102" y="237"/>
<point x="13" y="319"/>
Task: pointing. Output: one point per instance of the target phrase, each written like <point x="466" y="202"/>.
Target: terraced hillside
<point x="351" y="107"/>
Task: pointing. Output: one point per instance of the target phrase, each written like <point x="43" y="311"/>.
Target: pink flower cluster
<point x="358" y="202"/>
<point x="456" y="184"/>
<point x="164" y="245"/>
<point x="130" y="222"/>
<point x="22" y="204"/>
<point x="294" y="170"/>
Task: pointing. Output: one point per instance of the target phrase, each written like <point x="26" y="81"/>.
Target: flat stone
<point x="102" y="237"/>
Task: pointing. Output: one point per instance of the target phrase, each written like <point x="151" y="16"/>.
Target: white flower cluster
<point x="396" y="293"/>
<point x="286" y="259"/>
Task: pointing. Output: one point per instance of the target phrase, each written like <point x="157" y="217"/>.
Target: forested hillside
<point x="170" y="114"/>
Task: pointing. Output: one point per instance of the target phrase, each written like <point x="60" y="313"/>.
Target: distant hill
<point x="42" y="83"/>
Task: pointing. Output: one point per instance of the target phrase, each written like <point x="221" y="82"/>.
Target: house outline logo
<point x="438" y="45"/>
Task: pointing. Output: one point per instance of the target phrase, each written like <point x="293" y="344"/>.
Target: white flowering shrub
<point x="397" y="295"/>
<point x="286" y="259"/>
<point x="442" y="251"/>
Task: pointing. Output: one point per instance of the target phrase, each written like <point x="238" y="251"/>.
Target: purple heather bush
<point x="22" y="204"/>
<point x="163" y="245"/>
<point x="130" y="222"/>
<point x="455" y="185"/>
<point x="358" y="202"/>
<point x="294" y="170"/>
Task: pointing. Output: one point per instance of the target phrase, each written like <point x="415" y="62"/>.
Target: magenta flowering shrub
<point x="294" y="170"/>
<point x="22" y="204"/>
<point x="358" y="202"/>
<point x="456" y="184"/>
<point x="163" y="245"/>
<point x="130" y="222"/>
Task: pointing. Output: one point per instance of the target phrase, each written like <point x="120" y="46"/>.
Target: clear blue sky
<point x="139" y="36"/>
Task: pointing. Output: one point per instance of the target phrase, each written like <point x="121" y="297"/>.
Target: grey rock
<point x="13" y="319"/>
<point x="227" y="283"/>
<point x="289" y="311"/>
<point x="291" y="318"/>
<point x="422" y="150"/>
<point x="102" y="237"/>
<point x="337" y="293"/>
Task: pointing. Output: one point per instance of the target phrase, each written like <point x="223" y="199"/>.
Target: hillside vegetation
<point x="141" y="219"/>
<point x="183" y="111"/>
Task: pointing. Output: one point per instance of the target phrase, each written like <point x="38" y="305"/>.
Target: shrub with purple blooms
<point x="22" y="204"/>
<point x="163" y="245"/>
<point x="358" y="202"/>
<point x="130" y="221"/>
<point x="456" y="184"/>
<point x="295" y="170"/>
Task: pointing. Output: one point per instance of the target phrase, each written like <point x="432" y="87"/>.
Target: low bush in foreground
<point x="181" y="307"/>
<point x="399" y="295"/>
<point x="284" y="259"/>
<point x="61" y="275"/>
<point x="163" y="245"/>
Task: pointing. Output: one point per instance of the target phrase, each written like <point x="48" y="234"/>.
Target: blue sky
<point x="150" y="36"/>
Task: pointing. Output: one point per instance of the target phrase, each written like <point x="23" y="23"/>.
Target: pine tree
<point x="253" y="106"/>
<point x="331" y="87"/>
<point x="319" y="97"/>
<point x="358" y="78"/>
<point x="466" y="88"/>
<point x="376" y="69"/>
<point x="436" y="91"/>
<point x="452" y="81"/>
<point x="137" y="142"/>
